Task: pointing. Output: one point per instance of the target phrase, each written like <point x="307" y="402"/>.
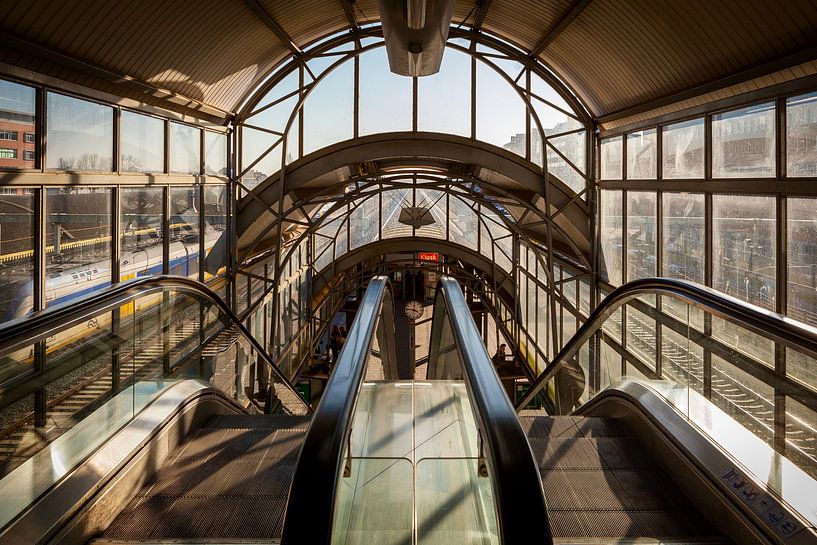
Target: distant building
<point x="18" y="139"/>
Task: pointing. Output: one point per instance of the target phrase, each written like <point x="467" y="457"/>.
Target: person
<point x="341" y="338"/>
<point x="334" y="344"/>
<point x="499" y="357"/>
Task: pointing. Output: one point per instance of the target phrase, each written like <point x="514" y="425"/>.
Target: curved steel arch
<point x="572" y="216"/>
<point x="352" y="258"/>
<point x="253" y="96"/>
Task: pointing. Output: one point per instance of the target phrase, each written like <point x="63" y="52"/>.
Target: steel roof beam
<point x="350" y="13"/>
<point x="554" y="33"/>
<point x="276" y="29"/>
<point x="482" y="11"/>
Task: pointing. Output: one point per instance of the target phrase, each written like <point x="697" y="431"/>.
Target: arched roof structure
<point x="623" y="60"/>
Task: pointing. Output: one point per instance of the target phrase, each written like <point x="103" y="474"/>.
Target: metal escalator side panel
<point x="310" y="506"/>
<point x="112" y="473"/>
<point x="732" y="478"/>
<point x="515" y="478"/>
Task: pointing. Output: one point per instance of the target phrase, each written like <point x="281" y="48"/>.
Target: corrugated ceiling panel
<point x="619" y="54"/>
<point x="307" y="20"/>
<point x="525" y="22"/>
<point x="616" y="54"/>
<point x="782" y="76"/>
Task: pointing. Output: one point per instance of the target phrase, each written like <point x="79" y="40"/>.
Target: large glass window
<point x="612" y="230"/>
<point x="743" y="142"/>
<point x="18" y="127"/>
<point x="802" y="259"/>
<point x="444" y="99"/>
<point x="641" y="234"/>
<point x="500" y="112"/>
<point x="611" y="155"/>
<point x="142" y="143"/>
<point x="462" y="223"/>
<point x="184" y="231"/>
<point x="565" y="159"/>
<point x="641" y="155"/>
<point x="683" y="150"/>
<point x="801" y="136"/>
<point x="80" y="134"/>
<point x="215" y="153"/>
<point x="142" y="232"/>
<point x="185" y="149"/>
<point x="385" y="98"/>
<point x="215" y="215"/>
<point x="329" y="110"/>
<point x="78" y="242"/>
<point x="364" y="222"/>
<point x="683" y="245"/>
<point x="17" y="228"/>
<point x="743" y="247"/>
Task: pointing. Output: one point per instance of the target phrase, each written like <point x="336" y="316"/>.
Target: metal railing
<point x="37" y="327"/>
<point x="773" y="326"/>
<point x="514" y="474"/>
<point x="311" y="503"/>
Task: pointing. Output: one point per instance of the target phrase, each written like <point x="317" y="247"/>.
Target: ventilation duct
<point x="415" y="32"/>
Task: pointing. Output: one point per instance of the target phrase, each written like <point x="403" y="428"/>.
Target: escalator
<point x="624" y="456"/>
<point x="183" y="448"/>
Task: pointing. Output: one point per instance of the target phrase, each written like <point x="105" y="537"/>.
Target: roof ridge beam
<point x="578" y="7"/>
<point x="276" y="29"/>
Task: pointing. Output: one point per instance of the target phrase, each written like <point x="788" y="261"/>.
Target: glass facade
<point x="142" y="140"/>
<point x="185" y="149"/>
<point x="80" y="135"/>
<point x="743" y="142"/>
<point x="18" y="127"/>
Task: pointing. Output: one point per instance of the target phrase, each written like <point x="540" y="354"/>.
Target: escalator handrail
<point x="36" y="327"/>
<point x="520" y="502"/>
<point x="310" y="506"/>
<point x="779" y="328"/>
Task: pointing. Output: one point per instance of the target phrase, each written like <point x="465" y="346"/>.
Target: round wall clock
<point x="414" y="310"/>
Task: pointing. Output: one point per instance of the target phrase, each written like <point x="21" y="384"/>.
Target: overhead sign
<point x="428" y="256"/>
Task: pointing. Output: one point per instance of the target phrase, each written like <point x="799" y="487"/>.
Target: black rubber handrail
<point x="520" y="502"/>
<point x="311" y="504"/>
<point x="779" y="328"/>
<point x="36" y="327"/>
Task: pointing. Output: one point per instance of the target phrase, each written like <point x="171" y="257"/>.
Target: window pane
<point x="364" y="222"/>
<point x="329" y="110"/>
<point x="683" y="245"/>
<point x="612" y="229"/>
<point x="141" y="222"/>
<point x="641" y="249"/>
<point x="142" y="142"/>
<point x="684" y="236"/>
<point x="215" y="216"/>
<point x="385" y="98"/>
<point x="254" y="144"/>
<point x="215" y="154"/>
<point x="641" y="154"/>
<point x="185" y="149"/>
<point x="78" y="242"/>
<point x="743" y="247"/>
<point x="611" y="158"/>
<point x="17" y="230"/>
<point x="80" y="134"/>
<point x="802" y="263"/>
<point x="184" y="231"/>
<point x="462" y="223"/>
<point x="435" y="202"/>
<point x="683" y="150"/>
<point x="500" y="112"/>
<point x="572" y="147"/>
<point x="444" y="99"/>
<point x="18" y="127"/>
<point x="801" y="138"/>
<point x="743" y="142"/>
